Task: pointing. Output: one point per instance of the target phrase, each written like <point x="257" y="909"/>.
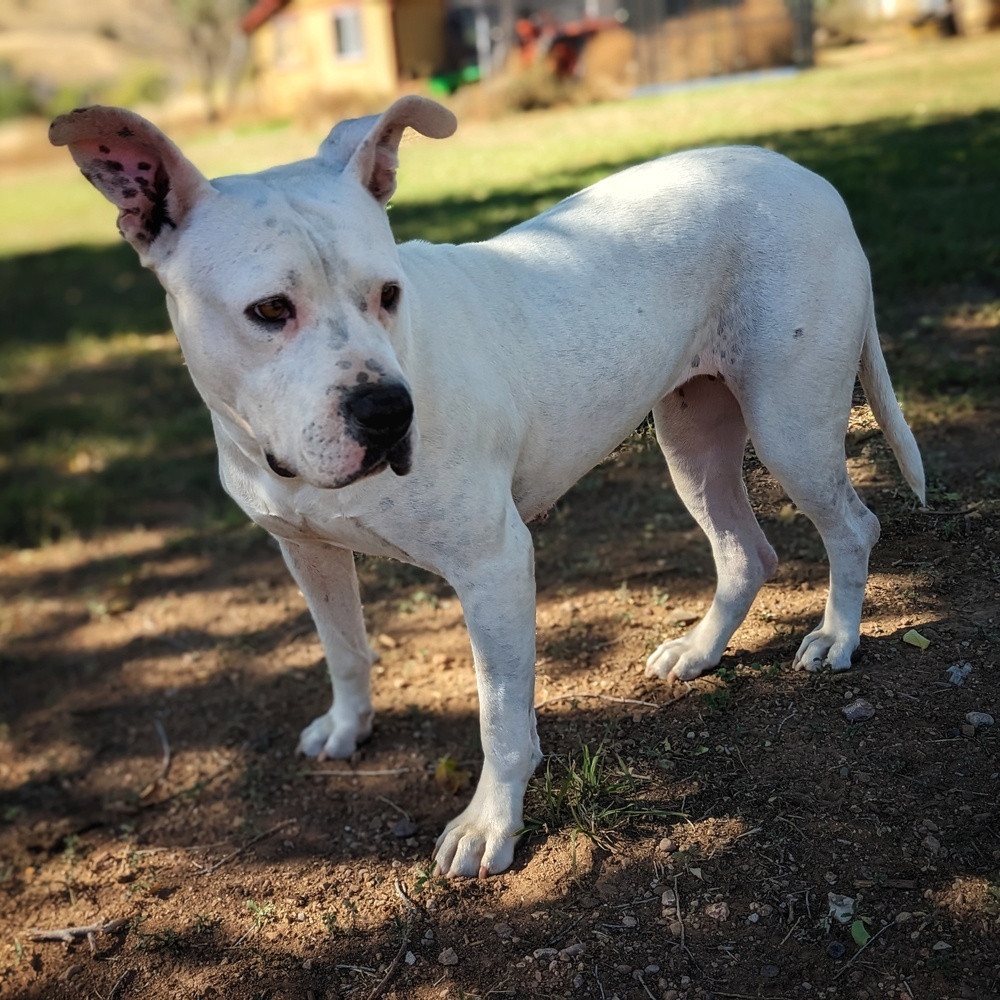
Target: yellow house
<point x="309" y="52"/>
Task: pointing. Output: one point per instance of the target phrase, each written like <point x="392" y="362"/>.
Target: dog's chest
<point x="299" y="513"/>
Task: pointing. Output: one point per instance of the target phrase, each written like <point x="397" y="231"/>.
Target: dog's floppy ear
<point x="136" y="167"/>
<point x="369" y="147"/>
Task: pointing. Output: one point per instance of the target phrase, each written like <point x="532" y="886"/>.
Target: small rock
<point x="307" y="964"/>
<point x="929" y="825"/>
<point x="841" y="907"/>
<point x="859" y="710"/>
<point x="968" y="730"/>
<point x="503" y="930"/>
<point x="668" y="898"/>
<point x="957" y="673"/>
<point x="666" y="846"/>
<point x="766" y="910"/>
<point x="387" y="641"/>
<point x="903" y="916"/>
<point x="545" y="954"/>
<point x="629" y="921"/>
<point x="682" y="616"/>
<point x="753" y="918"/>
<point x="410" y="958"/>
<point x="979" y="719"/>
<point x="448" y="957"/>
<point x="931" y="844"/>
<point x="717" y="911"/>
<point x="835" y="950"/>
<point x="70" y="971"/>
<point x="572" y="951"/>
<point x="652" y="970"/>
<point x="403" y="828"/>
<point x="769" y="971"/>
<point x="676" y="928"/>
<point x="940" y="946"/>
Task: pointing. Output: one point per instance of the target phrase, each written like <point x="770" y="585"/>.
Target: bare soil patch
<point x="243" y="871"/>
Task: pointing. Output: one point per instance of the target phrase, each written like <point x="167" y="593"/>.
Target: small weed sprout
<point x="262" y="914"/>
<point x="594" y="795"/>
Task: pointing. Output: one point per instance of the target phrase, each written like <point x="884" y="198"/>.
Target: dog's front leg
<point x="498" y="598"/>
<point x="327" y="578"/>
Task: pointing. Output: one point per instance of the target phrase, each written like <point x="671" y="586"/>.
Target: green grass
<point x="594" y="793"/>
<point x="101" y="429"/>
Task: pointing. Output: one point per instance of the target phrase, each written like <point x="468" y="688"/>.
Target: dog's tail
<point x="875" y="378"/>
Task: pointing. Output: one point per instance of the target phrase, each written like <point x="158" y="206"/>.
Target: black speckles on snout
<point x="126" y="132"/>
<point x="104" y="149"/>
<point x="336" y="334"/>
<point x="696" y="361"/>
<point x="798" y="332"/>
<point x="374" y="366"/>
<point x="361" y="378"/>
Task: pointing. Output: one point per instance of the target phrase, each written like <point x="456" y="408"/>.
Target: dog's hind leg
<point x="802" y="444"/>
<point x="702" y="434"/>
<point x="327" y="578"/>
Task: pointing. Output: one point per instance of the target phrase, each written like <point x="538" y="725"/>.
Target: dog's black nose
<point x="378" y="413"/>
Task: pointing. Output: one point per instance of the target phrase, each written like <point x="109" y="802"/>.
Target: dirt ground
<point x="717" y="826"/>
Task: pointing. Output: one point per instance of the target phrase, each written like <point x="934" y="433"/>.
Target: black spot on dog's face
<point x="126" y="132"/>
<point x="104" y="149"/>
<point x="114" y="165"/>
<point x="361" y="377"/>
<point x="144" y="166"/>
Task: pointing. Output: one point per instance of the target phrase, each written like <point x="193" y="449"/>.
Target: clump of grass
<point x="595" y="793"/>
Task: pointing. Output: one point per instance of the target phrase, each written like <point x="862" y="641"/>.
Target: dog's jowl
<point x="423" y="402"/>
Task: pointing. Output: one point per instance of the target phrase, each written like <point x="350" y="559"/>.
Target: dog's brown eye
<point x="275" y="310"/>
<point x="390" y="296"/>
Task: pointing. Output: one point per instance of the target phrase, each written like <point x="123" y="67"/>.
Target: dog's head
<point x="284" y="287"/>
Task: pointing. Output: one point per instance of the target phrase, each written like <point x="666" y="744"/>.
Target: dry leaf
<point x="450" y="776"/>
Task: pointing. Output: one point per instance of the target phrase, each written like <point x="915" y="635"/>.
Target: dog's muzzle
<point x="378" y="416"/>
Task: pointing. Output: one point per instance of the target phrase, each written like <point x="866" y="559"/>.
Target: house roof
<point x="261" y="11"/>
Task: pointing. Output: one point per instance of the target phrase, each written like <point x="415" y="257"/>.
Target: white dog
<point x="424" y="402"/>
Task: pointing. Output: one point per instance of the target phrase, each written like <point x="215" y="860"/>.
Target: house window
<point x="286" y="42"/>
<point x="348" y="40"/>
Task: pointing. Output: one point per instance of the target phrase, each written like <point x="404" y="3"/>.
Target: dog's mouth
<point x="398" y="458"/>
<point x="278" y="468"/>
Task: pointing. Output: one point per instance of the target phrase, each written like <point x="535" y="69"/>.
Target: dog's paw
<point x="473" y="848"/>
<point x="821" y="649"/>
<point x="681" y="659"/>
<point x="330" y="738"/>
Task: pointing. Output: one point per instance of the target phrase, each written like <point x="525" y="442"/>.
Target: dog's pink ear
<point x="369" y="147"/>
<point x="135" y="166"/>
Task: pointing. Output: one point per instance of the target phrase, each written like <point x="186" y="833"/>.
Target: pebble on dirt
<point x="448" y="957"/>
<point x="841" y="907"/>
<point x="957" y="673"/>
<point x="858" y="710"/>
<point x="979" y="720"/>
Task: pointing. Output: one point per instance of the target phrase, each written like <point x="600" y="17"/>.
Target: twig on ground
<point x="239" y="850"/>
<point x="791" y="930"/>
<point x="187" y="789"/>
<point x="608" y="697"/>
<point x="857" y="954"/>
<point x="410" y="908"/>
<point x="402" y="812"/>
<point x="378" y="773"/>
<point x="164" y="766"/>
<point x="677" y="909"/>
<point x="71" y="934"/>
<point x="791" y="715"/>
<point x="123" y="980"/>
